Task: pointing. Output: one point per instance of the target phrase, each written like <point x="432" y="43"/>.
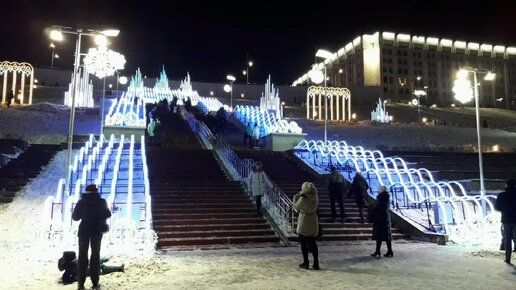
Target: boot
<point x="389" y="250"/>
<point x="304" y="265"/>
<point x="377" y="251"/>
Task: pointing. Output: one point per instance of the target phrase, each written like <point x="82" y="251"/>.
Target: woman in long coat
<point x="382" y="223"/>
<point x="358" y="191"/>
<point x="306" y="203"/>
<point x="257" y="185"/>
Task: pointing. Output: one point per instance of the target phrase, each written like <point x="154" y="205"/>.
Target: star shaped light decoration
<point x="103" y="62"/>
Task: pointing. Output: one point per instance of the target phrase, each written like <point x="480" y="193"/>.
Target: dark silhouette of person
<point x="484" y="124"/>
<point x="10" y="98"/>
<point x="506" y="204"/>
<point x="358" y="191"/>
<point x="68" y="264"/>
<point x="337" y="186"/>
<point x="92" y="211"/>
<point x="382" y="223"/>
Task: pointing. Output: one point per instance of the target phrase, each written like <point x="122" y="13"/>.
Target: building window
<point x="384" y="89"/>
<point x="390" y="60"/>
<point x="399" y="71"/>
<point x="399" y="61"/>
<point x="390" y="80"/>
<point x="399" y="52"/>
<point x="419" y="54"/>
<point x="405" y="71"/>
<point x="384" y="80"/>
<point x="384" y="69"/>
<point x="405" y="53"/>
<point x="405" y="62"/>
<point x="390" y="70"/>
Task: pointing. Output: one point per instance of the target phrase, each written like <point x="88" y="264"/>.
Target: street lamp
<point x="231" y="80"/>
<point x="52" y="46"/>
<point x="324" y="54"/>
<point x="57" y="34"/>
<point x="249" y="64"/>
<point x="463" y="93"/>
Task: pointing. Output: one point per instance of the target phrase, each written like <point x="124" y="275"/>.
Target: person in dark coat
<point x="506" y="204"/>
<point x="358" y="191"/>
<point x="382" y="223"/>
<point x="92" y="211"/>
<point x="10" y="98"/>
<point x="337" y="186"/>
<point x="68" y="264"/>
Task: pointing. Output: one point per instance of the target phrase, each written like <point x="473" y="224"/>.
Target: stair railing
<point x="277" y="203"/>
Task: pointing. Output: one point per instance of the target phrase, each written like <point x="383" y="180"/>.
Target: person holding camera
<point x="92" y="211"/>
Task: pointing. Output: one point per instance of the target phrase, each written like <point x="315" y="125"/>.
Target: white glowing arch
<point x="23" y="68"/>
<point x="341" y="97"/>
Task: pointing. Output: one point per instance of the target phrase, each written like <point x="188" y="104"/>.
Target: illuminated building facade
<point x="398" y="64"/>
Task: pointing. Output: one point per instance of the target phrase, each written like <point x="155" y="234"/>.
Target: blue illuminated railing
<point x="460" y="211"/>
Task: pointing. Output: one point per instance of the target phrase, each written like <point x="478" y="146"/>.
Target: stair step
<point x="217" y="240"/>
<point x="202" y="216"/>
<point x="174" y="206"/>
<point x="211" y="211"/>
<point x="215" y="233"/>
<point x="207" y="221"/>
<point x="211" y="227"/>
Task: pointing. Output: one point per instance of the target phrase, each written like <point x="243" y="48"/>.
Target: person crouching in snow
<point x="68" y="264"/>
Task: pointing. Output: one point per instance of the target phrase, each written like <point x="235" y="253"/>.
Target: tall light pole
<point x="324" y="54"/>
<point x="57" y="34"/>
<point x="462" y="90"/>
<point x="249" y="64"/>
<point x="231" y="80"/>
<point x="52" y="46"/>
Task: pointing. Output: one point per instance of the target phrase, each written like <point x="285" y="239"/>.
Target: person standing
<point x="257" y="185"/>
<point x="248" y="134"/>
<point x="358" y="191"/>
<point x="150" y="130"/>
<point x="306" y="202"/>
<point x="337" y="185"/>
<point x="92" y="211"/>
<point x="382" y="223"/>
<point x="256" y="135"/>
<point x="506" y="204"/>
<point x="10" y="98"/>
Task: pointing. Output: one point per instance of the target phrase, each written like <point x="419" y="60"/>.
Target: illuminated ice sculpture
<point x="340" y="98"/>
<point x="15" y="68"/>
<point x="380" y="113"/>
<point x="270" y="100"/>
<point x="162" y="82"/>
<point x="83" y="90"/>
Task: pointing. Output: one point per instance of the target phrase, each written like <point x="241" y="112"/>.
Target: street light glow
<point x="101" y="40"/>
<point x="122" y="80"/>
<point x="250" y="63"/>
<point x="111" y="32"/>
<point x="56" y="55"/>
<point x="230" y="78"/>
<point x="52" y="45"/>
<point x="244" y="72"/>
<point x="489" y="76"/>
<point x="341" y="71"/>
<point x="227" y="88"/>
<point x="56" y="35"/>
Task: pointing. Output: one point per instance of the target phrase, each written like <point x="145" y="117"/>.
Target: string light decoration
<point x="25" y="70"/>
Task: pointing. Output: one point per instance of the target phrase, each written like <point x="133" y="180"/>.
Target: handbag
<point x="103" y="227"/>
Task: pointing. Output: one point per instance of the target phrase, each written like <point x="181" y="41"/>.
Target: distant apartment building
<point x="398" y="64"/>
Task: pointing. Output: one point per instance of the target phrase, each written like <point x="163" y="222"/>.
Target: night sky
<point x="211" y="38"/>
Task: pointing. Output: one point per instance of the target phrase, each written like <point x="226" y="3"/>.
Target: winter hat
<point x="382" y="189"/>
<point x="91" y="187"/>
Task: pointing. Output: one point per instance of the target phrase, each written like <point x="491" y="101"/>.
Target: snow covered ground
<point x="27" y="262"/>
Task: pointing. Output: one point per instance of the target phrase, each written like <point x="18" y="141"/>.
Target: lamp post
<point x="249" y="64"/>
<point x="324" y="54"/>
<point x="462" y="90"/>
<point x="231" y="80"/>
<point x="57" y="34"/>
<point x="52" y="46"/>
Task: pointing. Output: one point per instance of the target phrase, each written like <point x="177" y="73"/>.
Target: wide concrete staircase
<point x="289" y="177"/>
<point x="18" y="171"/>
<point x="194" y="204"/>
